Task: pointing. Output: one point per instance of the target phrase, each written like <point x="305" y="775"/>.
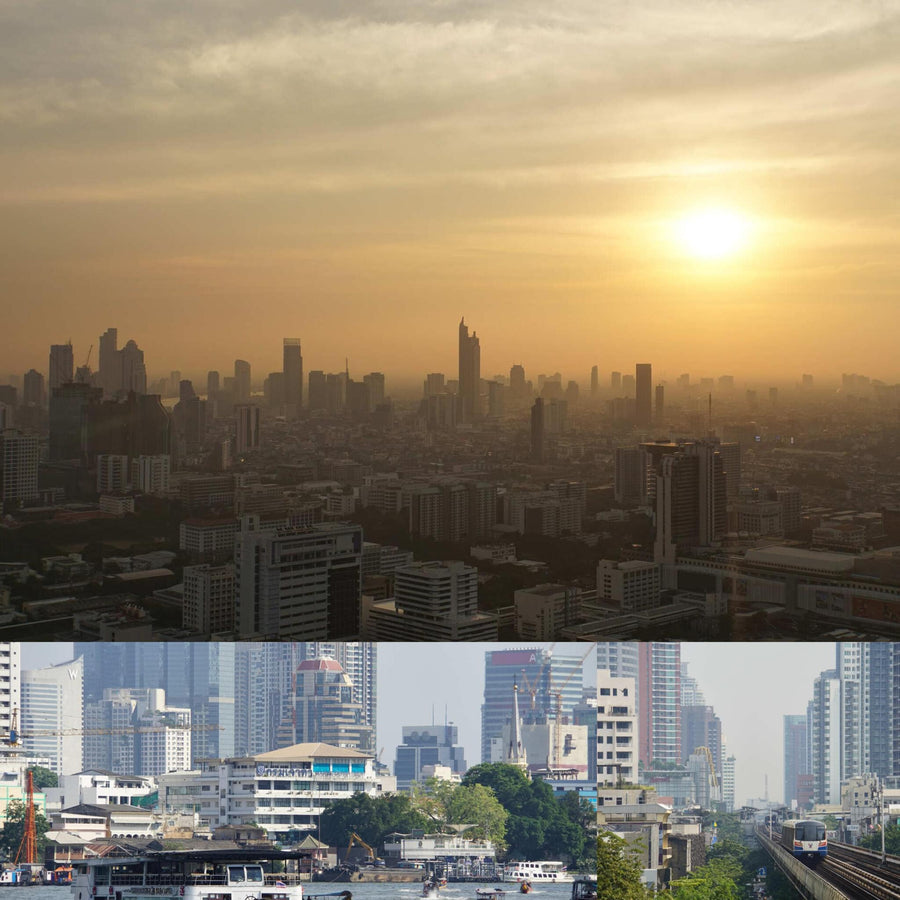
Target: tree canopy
<point x="43" y="778"/>
<point x="618" y="872"/>
<point x="14" y="830"/>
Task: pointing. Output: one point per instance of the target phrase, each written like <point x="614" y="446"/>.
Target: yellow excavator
<point x="356" y="839"/>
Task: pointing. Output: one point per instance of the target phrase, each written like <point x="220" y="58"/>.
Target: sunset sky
<point x="212" y="176"/>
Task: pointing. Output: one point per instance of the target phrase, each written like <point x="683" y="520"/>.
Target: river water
<point x="389" y="891"/>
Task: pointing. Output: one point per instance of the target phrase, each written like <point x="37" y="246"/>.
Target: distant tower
<point x="517" y="387"/>
<point x="538" y="430"/>
<point x="595" y="380"/>
<point x="241" y="381"/>
<point x="212" y="384"/>
<point x="62" y="366"/>
<point x="293" y="378"/>
<point x="469" y="374"/>
<point x="660" y="404"/>
<point x="643" y="411"/>
<point x="134" y="372"/>
<point x="110" y="374"/>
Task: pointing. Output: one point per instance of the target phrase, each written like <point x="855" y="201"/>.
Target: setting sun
<point x="712" y="233"/>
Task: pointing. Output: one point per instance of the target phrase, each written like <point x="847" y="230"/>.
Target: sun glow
<point x="712" y="233"/>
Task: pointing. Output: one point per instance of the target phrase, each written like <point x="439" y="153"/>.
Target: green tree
<point x="43" y="778"/>
<point x="618" y="872"/>
<point x="478" y="805"/>
<point x="14" y="830"/>
<point x="891" y="840"/>
<point x="372" y="818"/>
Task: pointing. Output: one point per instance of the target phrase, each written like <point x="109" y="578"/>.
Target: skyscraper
<point x="824" y="736"/>
<point x="469" y="375"/>
<point x="643" y="398"/>
<point x="427" y="745"/>
<point x="10" y="682"/>
<point x="19" y="454"/>
<point x="293" y="378"/>
<point x="110" y="371"/>
<point x="246" y="428"/>
<point x="62" y="365"/>
<point x="134" y="372"/>
<point x="659" y="702"/>
<point x="241" y="381"/>
<point x="538" y="431"/>
<point x="33" y="388"/>
<point x="795" y="756"/>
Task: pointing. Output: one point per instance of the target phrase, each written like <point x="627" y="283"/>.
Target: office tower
<point x="69" y="412"/>
<point x="631" y="476"/>
<point x="824" y="737"/>
<point x="292" y="368"/>
<point x="643" y="397"/>
<point x="137" y="425"/>
<point x="427" y="745"/>
<point x="432" y="601"/>
<point x="62" y="366"/>
<point x="538" y="431"/>
<point x="690" y="497"/>
<point x="615" y="381"/>
<point x="795" y="756"/>
<point x="336" y="392"/>
<point x="273" y="392"/>
<point x="701" y="727"/>
<point x="374" y="381"/>
<point x="728" y="782"/>
<point x="10" y="682"/>
<point x="273" y="601"/>
<point x="112" y="473"/>
<point x="246" y="424"/>
<point x="357" y="401"/>
<point x="110" y="372"/>
<point x="33" y="388"/>
<point x="659" y="702"/>
<point x="241" y="381"/>
<point x="359" y="659"/>
<point x="212" y="384"/>
<point x="660" y="411"/>
<point x="621" y="658"/>
<point x="629" y="386"/>
<point x="469" y="375"/>
<point x="323" y="709"/>
<point x="109" y="737"/>
<point x="19" y="454"/>
<point x="556" y="417"/>
<point x="209" y="599"/>
<point x="51" y="707"/>
<point x="595" y="381"/>
<point x="440" y="412"/>
<point x="691" y="692"/>
<point x="189" y="422"/>
<point x="617" y="729"/>
<point x="496" y="393"/>
<point x="518" y="389"/>
<point x="434" y="384"/>
<point x="134" y="372"/>
<point x="549" y="682"/>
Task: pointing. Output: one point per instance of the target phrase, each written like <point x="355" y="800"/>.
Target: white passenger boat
<point x="242" y="874"/>
<point x="539" y="872"/>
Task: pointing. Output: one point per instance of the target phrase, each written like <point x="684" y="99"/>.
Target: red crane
<point x="27" y="852"/>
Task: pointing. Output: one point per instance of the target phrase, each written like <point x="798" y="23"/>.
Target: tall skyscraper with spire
<point x="469" y="374"/>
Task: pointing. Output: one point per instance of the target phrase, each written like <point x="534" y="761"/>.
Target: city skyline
<point x="665" y="179"/>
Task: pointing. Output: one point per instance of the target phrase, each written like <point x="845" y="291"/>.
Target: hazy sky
<point x="211" y="177"/>
<point x="752" y="686"/>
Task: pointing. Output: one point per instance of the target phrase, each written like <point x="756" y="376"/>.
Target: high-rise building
<point x="246" y="428"/>
<point x="323" y="709"/>
<point x="728" y="782"/>
<point x="427" y="745"/>
<point x="595" y="380"/>
<point x="884" y="708"/>
<point x="209" y="599"/>
<point x="660" y="410"/>
<point x="62" y="365"/>
<point x="795" y="756"/>
<point x="469" y="375"/>
<point x="701" y="727"/>
<point x="318" y="390"/>
<point x="150" y="474"/>
<point x="134" y="372"/>
<point x="643" y="397"/>
<point x="212" y="384"/>
<point x="10" y="682"/>
<point x="273" y="601"/>
<point x="541" y="675"/>
<point x="112" y="473"/>
<point x="824" y="737"/>
<point x="691" y="692"/>
<point x="374" y="381"/>
<point x="52" y="703"/>
<point x="241" y="381"/>
<point x="852" y="664"/>
<point x="19" y="455"/>
<point x="659" y="702"/>
<point x="538" y="431"/>
<point x="109" y="375"/>
<point x="292" y="369"/>
<point x="518" y="389"/>
<point x="617" y="729"/>
<point x="33" y="388"/>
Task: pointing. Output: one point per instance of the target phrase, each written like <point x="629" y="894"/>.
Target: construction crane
<point x="557" y="749"/>
<point x="713" y="780"/>
<point x="533" y="688"/>
<point x="27" y="852"/>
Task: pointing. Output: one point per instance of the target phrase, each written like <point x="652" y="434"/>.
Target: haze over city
<point x="707" y="186"/>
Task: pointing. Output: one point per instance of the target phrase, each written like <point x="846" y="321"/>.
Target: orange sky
<point x="211" y="177"/>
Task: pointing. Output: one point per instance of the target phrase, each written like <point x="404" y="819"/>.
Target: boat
<point x="432" y="886"/>
<point x="584" y="887"/>
<point x="20" y="875"/>
<point x="525" y="887"/>
<point x="220" y="874"/>
<point x="488" y="893"/>
<point x="59" y="875"/>
<point x="538" y="872"/>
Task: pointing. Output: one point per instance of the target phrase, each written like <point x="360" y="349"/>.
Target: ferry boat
<point x="584" y="887"/>
<point x="539" y="872"/>
<point x="187" y="875"/>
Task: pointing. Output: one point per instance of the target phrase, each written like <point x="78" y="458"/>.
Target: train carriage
<point x="804" y="838"/>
